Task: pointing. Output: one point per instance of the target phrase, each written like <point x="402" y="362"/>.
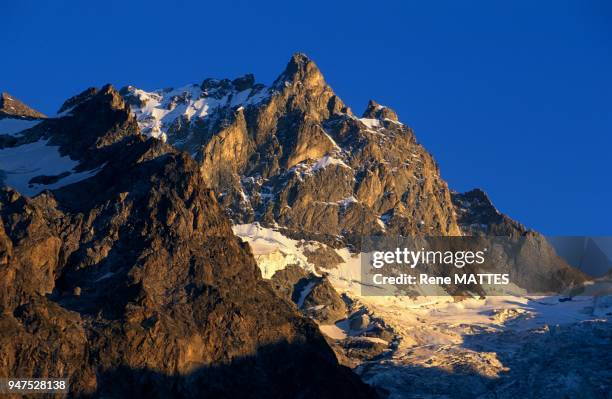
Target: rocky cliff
<point x="130" y="281"/>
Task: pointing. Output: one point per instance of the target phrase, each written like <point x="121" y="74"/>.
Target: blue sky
<point x="513" y="97"/>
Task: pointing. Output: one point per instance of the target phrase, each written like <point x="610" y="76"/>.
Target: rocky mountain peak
<point x="295" y="155"/>
<point x="377" y="111"/>
<point x="105" y="94"/>
<point x="301" y="90"/>
<point x="244" y="82"/>
<point x="477" y="194"/>
<point x="92" y="123"/>
<point x="476" y="214"/>
<point x="74" y="100"/>
<point x="11" y="107"/>
<point x="219" y="88"/>
<point x="301" y="69"/>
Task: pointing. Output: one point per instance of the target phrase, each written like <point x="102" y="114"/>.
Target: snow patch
<point x="160" y="109"/>
<point x="305" y="291"/>
<point x="12" y="126"/>
<point x="370" y="122"/>
<point x="272" y="250"/>
<point x="326" y="161"/>
<point x="347" y="201"/>
<point x="18" y="165"/>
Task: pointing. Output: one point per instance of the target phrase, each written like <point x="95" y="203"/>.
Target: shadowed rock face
<point x="477" y="215"/>
<point x="131" y="282"/>
<point x="535" y="266"/>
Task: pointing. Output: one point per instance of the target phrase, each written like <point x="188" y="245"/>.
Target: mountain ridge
<point x="12" y="107"/>
<point x="134" y="275"/>
<point x="129" y="244"/>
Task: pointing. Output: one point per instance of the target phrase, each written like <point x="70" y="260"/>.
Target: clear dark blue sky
<point x="514" y="96"/>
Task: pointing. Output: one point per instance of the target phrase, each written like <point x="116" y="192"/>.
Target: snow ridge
<point x="158" y="111"/>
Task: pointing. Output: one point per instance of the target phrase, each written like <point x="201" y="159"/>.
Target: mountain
<point x="121" y="265"/>
<point x="293" y="156"/>
<point x="130" y="282"/>
<point x="585" y="253"/>
<point x="60" y="151"/>
<point x="11" y="107"/>
<point x="15" y="117"/>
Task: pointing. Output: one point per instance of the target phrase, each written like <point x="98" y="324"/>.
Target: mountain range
<point x="119" y="267"/>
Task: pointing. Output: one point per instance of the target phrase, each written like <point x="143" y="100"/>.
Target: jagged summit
<point x="11" y="107"/>
<point x="219" y="88"/>
<point x="477" y="194"/>
<point x="378" y="111"/>
<point x="77" y="99"/>
<point x="476" y="214"/>
<point x="294" y="154"/>
<point x="301" y="69"/>
<point x="107" y="92"/>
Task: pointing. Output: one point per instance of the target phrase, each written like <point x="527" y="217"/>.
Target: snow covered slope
<point x="178" y="115"/>
<point x="40" y="154"/>
<point x="14" y="126"/>
<point x="33" y="167"/>
<point x="495" y="347"/>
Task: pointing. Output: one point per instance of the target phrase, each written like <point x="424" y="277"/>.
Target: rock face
<point x="377" y="111"/>
<point x="294" y="155"/>
<point x="131" y="283"/>
<point x="477" y="215"/>
<point x="11" y="107"/>
<point x="535" y="266"/>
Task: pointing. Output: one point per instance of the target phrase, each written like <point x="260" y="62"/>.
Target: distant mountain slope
<point x="56" y="152"/>
<point x="11" y="107"/>
<point x="15" y="118"/>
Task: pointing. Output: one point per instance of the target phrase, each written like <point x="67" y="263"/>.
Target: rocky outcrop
<point x="131" y="282"/>
<point x="476" y="215"/>
<point x="60" y="151"/>
<point x="313" y="295"/>
<point x="11" y="107"/>
<point x="322" y="256"/>
<point x="529" y="256"/>
<point x="377" y="111"/>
